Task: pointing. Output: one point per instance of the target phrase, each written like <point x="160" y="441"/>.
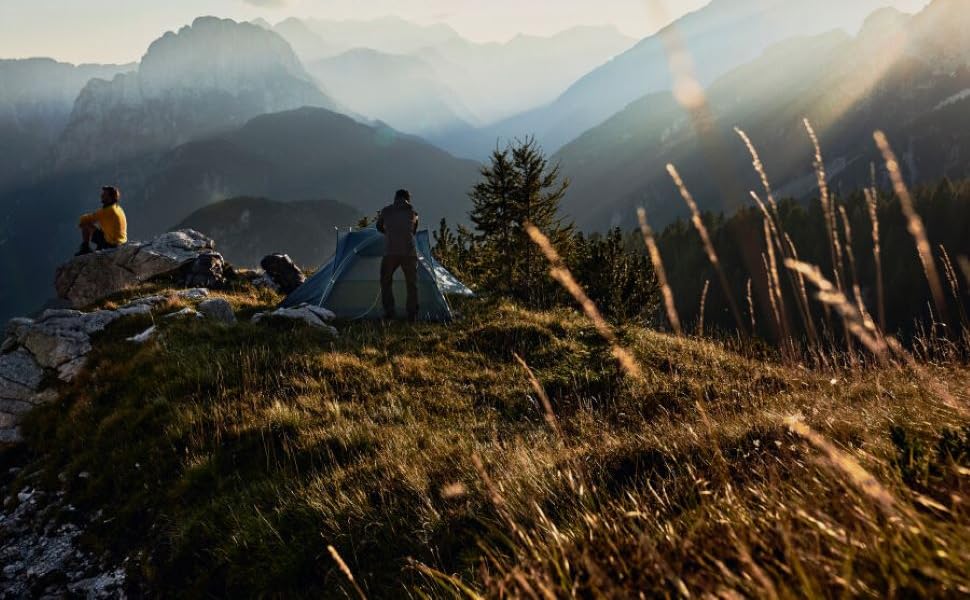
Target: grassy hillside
<point x="227" y="460"/>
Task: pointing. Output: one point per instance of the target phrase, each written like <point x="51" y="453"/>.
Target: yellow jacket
<point x="111" y="219"/>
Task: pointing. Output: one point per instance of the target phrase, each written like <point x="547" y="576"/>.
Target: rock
<point x="149" y="301"/>
<point x="265" y="281"/>
<point x="312" y="315"/>
<point x="185" y="312"/>
<point x="21" y="369"/>
<point x="218" y="309"/>
<point x="194" y="294"/>
<point x="11" y="435"/>
<point x="70" y="370"/>
<point x="283" y="272"/>
<point x="144" y="336"/>
<point x="207" y="271"/>
<point x="91" y="277"/>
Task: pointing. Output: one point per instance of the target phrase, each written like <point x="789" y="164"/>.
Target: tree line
<point x="519" y="186"/>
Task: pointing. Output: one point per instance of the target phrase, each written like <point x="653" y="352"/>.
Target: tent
<point x="349" y="285"/>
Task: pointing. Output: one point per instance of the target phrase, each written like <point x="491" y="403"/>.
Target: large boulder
<point x="91" y="277"/>
<point x="283" y="272"/>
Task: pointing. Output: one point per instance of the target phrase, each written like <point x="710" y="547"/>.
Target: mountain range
<point x="248" y="229"/>
<point x="36" y="99"/>
<point x="908" y="75"/>
<point x="401" y="90"/>
<point x="175" y="97"/>
<point x="721" y="36"/>
<point x="460" y="83"/>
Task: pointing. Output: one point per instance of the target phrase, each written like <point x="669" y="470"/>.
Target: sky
<point x="116" y="31"/>
<point x="119" y="31"/>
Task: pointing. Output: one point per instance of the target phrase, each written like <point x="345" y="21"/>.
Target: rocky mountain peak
<point x="210" y="76"/>
<point x="237" y="55"/>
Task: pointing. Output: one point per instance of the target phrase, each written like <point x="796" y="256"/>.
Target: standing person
<point x="399" y="223"/>
<point x="107" y="227"/>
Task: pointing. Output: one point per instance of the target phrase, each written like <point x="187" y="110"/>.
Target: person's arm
<point x="416" y="222"/>
<point x="380" y="221"/>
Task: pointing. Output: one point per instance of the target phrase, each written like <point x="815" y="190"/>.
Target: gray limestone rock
<point x="91" y="277"/>
<point x="218" y="309"/>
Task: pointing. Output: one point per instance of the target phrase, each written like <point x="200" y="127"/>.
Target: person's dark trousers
<point x="408" y="264"/>
<point x="100" y="242"/>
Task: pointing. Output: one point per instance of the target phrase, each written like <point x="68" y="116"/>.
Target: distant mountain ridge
<point x="36" y="99"/>
<point x="175" y="97"/>
<point x="907" y="75"/>
<point x="489" y="80"/>
<point x="404" y="91"/>
<point x="720" y="36"/>
<point x="247" y="229"/>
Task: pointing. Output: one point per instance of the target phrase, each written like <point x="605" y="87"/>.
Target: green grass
<point x="226" y="459"/>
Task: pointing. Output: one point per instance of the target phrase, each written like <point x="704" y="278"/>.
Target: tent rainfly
<point x="349" y="285"/>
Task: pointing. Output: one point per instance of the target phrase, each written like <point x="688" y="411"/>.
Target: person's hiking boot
<point x="84" y="249"/>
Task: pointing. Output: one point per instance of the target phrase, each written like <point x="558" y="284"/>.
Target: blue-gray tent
<point x="349" y="285"/>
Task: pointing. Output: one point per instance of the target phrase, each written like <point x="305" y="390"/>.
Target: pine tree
<point x="518" y="187"/>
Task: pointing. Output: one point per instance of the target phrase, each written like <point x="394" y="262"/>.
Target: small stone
<point x="194" y="294"/>
<point x="305" y="313"/>
<point x="143" y="337"/>
<point x="150" y="301"/>
<point x="218" y="309"/>
<point x="185" y="312"/>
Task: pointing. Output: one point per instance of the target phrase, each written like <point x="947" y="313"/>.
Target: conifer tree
<point x="518" y="187"/>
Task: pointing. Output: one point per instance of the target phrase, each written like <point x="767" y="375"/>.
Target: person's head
<point x="110" y="195"/>
<point x="402" y="196"/>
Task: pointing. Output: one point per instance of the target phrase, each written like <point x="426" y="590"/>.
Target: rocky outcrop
<point x="41" y="553"/>
<point x="281" y="269"/>
<point x="92" y="277"/>
<point x="38" y="351"/>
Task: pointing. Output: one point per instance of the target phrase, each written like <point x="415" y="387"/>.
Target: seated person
<point x="107" y="227"/>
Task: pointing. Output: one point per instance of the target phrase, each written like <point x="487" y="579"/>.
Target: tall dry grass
<point x="703" y="308"/>
<point x="872" y="203"/>
<point x="914" y="223"/>
<point x="698" y="222"/>
<point x="660" y="271"/>
<point x="828" y="205"/>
